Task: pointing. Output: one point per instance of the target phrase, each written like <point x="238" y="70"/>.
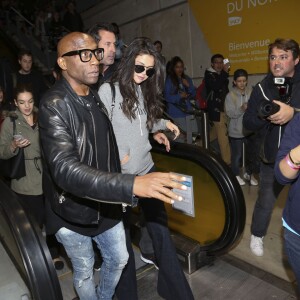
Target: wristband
<point x="291" y="165"/>
<point x="297" y="164"/>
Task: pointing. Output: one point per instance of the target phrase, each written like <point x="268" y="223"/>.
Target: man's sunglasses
<point x="87" y="54"/>
<point x="140" y="69"/>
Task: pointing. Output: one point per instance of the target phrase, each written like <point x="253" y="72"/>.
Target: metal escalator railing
<point x="219" y="202"/>
<point x="25" y="251"/>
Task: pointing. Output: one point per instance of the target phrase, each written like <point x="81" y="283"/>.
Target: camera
<point x="284" y="87"/>
<point x="225" y="61"/>
<point x="267" y="108"/>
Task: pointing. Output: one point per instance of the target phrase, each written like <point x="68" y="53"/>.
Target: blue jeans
<point x="79" y="248"/>
<point x="236" y="146"/>
<point x="268" y="192"/>
<point x="292" y="249"/>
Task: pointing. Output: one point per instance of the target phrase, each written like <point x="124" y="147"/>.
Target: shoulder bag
<point x="14" y="167"/>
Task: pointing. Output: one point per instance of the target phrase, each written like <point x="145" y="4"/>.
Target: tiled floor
<point x="274" y="260"/>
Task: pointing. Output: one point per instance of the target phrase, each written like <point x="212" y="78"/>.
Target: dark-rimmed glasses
<point x="139" y="69"/>
<point x="86" y="54"/>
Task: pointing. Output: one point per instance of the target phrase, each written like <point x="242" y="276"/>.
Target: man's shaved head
<point x="79" y="74"/>
<point x="72" y="41"/>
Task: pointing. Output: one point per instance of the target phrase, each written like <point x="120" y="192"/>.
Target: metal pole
<point x="205" y="130"/>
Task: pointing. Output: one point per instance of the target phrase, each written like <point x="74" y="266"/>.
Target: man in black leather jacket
<point x="83" y="186"/>
<point x="284" y="63"/>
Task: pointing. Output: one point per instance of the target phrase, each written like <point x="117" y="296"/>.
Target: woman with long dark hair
<point x="134" y="103"/>
<point x="179" y="91"/>
<point x="29" y="187"/>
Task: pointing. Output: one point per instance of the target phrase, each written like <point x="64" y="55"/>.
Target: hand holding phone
<point x="18" y="137"/>
<point x="226" y="64"/>
<point x="20" y="141"/>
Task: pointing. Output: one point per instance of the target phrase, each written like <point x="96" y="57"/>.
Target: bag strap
<point x="113" y="100"/>
<point x="13" y="119"/>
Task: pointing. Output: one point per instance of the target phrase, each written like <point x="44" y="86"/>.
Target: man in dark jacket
<point x="105" y="36"/>
<point x="83" y="184"/>
<point x="27" y="75"/>
<point x="216" y="84"/>
<point x="283" y="63"/>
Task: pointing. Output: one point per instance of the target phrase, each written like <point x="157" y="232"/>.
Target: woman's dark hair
<point x="152" y="88"/>
<point x="23" y="88"/>
<point x="171" y="71"/>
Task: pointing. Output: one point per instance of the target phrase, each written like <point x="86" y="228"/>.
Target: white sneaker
<point x="247" y="176"/>
<point x="250" y="178"/>
<point x="240" y="180"/>
<point x="253" y="181"/>
<point x="257" y="245"/>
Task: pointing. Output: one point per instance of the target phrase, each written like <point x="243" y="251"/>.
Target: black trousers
<point x="172" y="283"/>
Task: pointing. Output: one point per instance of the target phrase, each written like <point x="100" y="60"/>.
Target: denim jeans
<point x="172" y="283"/>
<point x="79" y="249"/>
<point x="236" y="146"/>
<point x="292" y="249"/>
<point x="268" y="192"/>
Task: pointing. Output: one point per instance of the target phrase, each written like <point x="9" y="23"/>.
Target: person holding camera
<point x="284" y="70"/>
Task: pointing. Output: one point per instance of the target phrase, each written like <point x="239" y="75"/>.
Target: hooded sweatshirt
<point x="132" y="135"/>
<point x="233" y="102"/>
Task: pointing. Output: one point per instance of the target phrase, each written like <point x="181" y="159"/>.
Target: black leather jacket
<point x="81" y="155"/>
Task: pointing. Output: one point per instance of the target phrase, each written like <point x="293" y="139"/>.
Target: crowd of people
<point x="87" y="150"/>
<point x="46" y="21"/>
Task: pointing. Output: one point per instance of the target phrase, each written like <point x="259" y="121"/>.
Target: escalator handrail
<point x="232" y="194"/>
<point x="36" y="258"/>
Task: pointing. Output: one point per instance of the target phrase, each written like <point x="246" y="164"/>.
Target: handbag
<point x="14" y="167"/>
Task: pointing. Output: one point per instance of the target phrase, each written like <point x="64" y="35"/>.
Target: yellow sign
<point x="241" y="30"/>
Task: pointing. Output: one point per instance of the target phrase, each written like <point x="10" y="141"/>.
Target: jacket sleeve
<point x="191" y="89"/>
<point x="170" y="93"/>
<point x="233" y="111"/>
<point x="65" y="167"/>
<point x="6" y="136"/>
<point x="106" y="97"/>
<point x="160" y="124"/>
<point x="215" y="82"/>
<point x="289" y="141"/>
<point x="251" y="120"/>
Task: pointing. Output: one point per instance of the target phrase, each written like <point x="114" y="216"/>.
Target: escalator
<point x="219" y="204"/>
<point x="27" y="270"/>
<point x="217" y="225"/>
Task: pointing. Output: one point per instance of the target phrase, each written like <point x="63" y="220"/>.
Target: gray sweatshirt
<point x="233" y="102"/>
<point x="132" y="135"/>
